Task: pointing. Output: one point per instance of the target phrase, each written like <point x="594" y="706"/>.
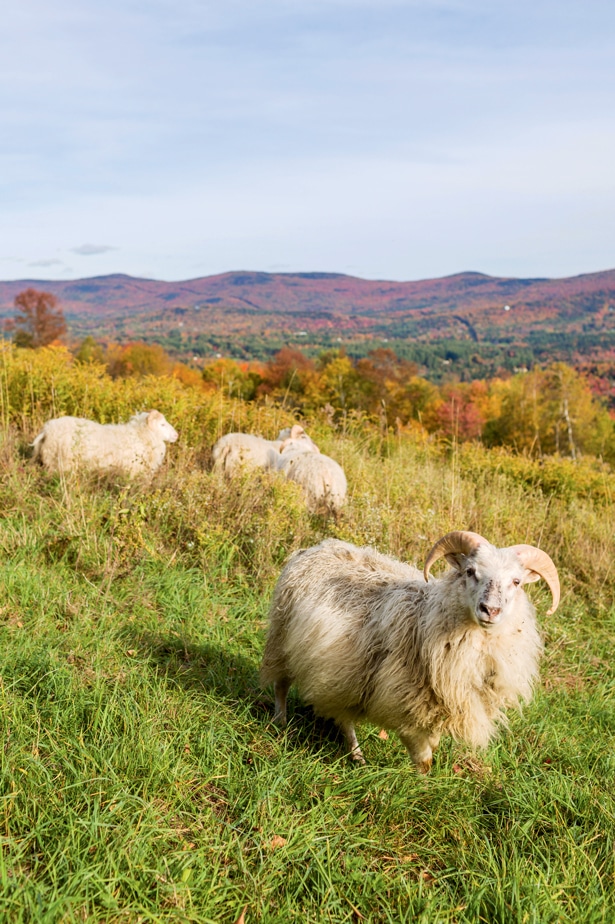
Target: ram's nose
<point x="489" y="615"/>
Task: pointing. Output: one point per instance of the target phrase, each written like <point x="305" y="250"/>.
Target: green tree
<point x="90" y="351"/>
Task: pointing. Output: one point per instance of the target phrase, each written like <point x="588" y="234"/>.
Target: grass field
<point x="141" y="777"/>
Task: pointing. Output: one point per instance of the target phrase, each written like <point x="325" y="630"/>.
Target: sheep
<point x="135" y="448"/>
<point x="238" y="450"/>
<point x="321" y="477"/>
<point x="367" y="637"/>
<point x="297" y="434"/>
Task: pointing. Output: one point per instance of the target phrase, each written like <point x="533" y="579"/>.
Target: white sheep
<point x="366" y="637"/>
<point x="137" y="447"/>
<point x="321" y="477"/>
<point x="235" y="451"/>
<point x="297" y="434"/>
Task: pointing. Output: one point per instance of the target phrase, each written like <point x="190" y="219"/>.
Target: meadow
<point x="142" y="780"/>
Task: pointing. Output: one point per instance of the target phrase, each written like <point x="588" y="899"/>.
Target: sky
<point x="388" y="139"/>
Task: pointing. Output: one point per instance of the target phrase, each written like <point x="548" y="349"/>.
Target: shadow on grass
<point x="234" y="679"/>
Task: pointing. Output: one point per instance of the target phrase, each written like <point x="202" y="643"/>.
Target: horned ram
<point x="368" y="638"/>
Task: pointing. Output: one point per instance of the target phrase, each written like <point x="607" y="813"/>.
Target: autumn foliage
<point x="540" y="412"/>
<point x="38" y="321"/>
<point x="137" y="359"/>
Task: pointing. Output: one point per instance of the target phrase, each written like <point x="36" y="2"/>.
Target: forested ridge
<point x="469" y="326"/>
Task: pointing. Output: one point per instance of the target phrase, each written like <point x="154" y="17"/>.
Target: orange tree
<point x="38" y="321"/>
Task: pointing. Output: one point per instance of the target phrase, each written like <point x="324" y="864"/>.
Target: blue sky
<point x="394" y="139"/>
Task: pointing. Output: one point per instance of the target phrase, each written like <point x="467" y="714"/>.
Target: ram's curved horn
<point x="458" y="542"/>
<point x="536" y="560"/>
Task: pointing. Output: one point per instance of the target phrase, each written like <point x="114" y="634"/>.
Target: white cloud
<point x="90" y="250"/>
<point x="46" y="263"/>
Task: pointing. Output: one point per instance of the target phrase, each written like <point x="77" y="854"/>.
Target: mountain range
<point x="244" y="310"/>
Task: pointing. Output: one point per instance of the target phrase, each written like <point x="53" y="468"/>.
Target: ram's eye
<point x="516" y="581"/>
<point x="470" y="572"/>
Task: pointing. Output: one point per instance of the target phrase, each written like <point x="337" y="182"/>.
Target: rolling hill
<point x="249" y="314"/>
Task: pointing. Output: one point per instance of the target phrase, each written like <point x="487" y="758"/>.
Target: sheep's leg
<point x="280" y="690"/>
<point x="420" y="744"/>
<point x="351" y="740"/>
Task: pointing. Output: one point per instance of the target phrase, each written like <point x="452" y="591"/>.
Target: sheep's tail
<point x="274" y="666"/>
<point x="37" y="445"/>
<point x="219" y="457"/>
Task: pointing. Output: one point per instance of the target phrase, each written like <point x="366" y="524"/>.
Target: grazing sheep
<point x="238" y="450"/>
<point x="135" y="448"/>
<point x="366" y="637"/>
<point x="299" y="436"/>
<point x="322" y="479"/>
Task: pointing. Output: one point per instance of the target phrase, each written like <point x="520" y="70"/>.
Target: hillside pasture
<point x="142" y="779"/>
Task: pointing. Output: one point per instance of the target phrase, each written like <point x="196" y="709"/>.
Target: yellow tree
<point x="336" y="383"/>
<point x="552" y="410"/>
<point x="418" y="400"/>
<point x="237" y="380"/>
<point x="138" y="359"/>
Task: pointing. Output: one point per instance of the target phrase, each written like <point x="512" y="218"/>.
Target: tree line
<point x="541" y="411"/>
<point x="545" y="410"/>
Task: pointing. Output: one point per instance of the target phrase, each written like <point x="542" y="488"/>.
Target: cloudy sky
<point x="397" y="139"/>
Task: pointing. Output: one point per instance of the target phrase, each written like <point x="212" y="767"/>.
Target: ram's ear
<point x="457" y="560"/>
<point x="296" y="431"/>
<point x="153" y="417"/>
<point x="455" y="547"/>
<point x="529" y="577"/>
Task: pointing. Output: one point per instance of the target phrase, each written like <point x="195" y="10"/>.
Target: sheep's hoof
<point x="357" y="757"/>
<point x="280" y="721"/>
<point x="424" y="766"/>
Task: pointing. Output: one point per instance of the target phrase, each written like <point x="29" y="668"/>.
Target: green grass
<point x="141" y="777"/>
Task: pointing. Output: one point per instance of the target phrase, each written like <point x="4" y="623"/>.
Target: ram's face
<point x="493" y="579"/>
<point x="158" y="421"/>
<point x="169" y="433"/>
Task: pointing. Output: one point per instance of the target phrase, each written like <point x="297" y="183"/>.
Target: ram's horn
<point x="456" y="543"/>
<point x="536" y="560"/>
